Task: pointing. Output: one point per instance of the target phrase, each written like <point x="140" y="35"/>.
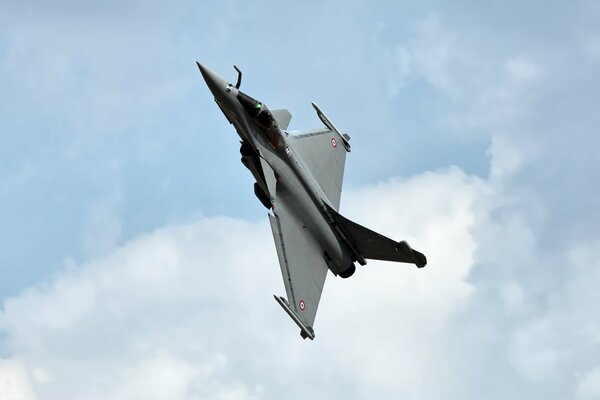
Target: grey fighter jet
<point x="299" y="179"/>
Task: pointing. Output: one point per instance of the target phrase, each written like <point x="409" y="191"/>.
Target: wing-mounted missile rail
<point x="345" y="138"/>
<point x="417" y="258"/>
<point x="305" y="331"/>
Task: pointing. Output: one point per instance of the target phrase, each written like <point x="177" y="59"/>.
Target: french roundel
<point x="333" y="142"/>
<point x="301" y="305"/>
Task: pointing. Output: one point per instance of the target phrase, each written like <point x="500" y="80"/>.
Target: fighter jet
<point x="299" y="180"/>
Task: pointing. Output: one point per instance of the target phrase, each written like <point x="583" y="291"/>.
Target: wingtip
<point x="421" y="259"/>
<point x="306" y="331"/>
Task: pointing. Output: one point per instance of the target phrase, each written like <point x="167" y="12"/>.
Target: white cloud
<point x="186" y="311"/>
<point x="14" y="384"/>
<point x="533" y="352"/>
<point x="402" y="309"/>
<point x="160" y="376"/>
<point x="535" y="228"/>
<point x="513" y="297"/>
<point x="509" y="156"/>
<point x="589" y="386"/>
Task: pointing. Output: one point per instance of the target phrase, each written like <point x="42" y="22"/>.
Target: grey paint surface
<point x="299" y="178"/>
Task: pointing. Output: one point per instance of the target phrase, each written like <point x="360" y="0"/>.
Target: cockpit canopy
<point x="251" y="106"/>
<point x="263" y="118"/>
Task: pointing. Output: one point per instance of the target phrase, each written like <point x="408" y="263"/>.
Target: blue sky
<point x="122" y="124"/>
<point x="130" y="238"/>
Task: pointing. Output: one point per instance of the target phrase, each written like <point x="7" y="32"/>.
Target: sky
<point x="136" y="263"/>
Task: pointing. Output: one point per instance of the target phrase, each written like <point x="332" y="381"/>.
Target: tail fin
<point x="368" y="244"/>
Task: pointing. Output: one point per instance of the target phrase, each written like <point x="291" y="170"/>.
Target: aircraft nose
<point x="215" y="83"/>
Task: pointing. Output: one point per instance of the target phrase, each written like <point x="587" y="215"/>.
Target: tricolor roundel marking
<point x="333" y="142"/>
<point x="301" y="305"/>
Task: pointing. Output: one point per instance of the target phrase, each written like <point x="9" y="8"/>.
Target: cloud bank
<point x="507" y="307"/>
<point x="186" y="311"/>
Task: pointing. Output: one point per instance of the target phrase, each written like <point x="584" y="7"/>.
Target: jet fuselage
<point x="297" y="189"/>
